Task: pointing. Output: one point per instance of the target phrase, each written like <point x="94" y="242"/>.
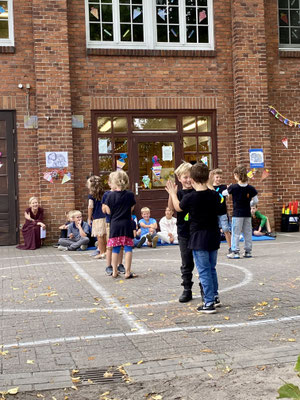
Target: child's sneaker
<point x="121" y="269"/>
<point x="154" y="242"/>
<point x="62" y="248"/>
<point x="83" y="246"/>
<point x="141" y="242"/>
<point x="109" y="270"/>
<point x="149" y="237"/>
<point x="233" y="255"/>
<point x="247" y="254"/>
<point x="217" y="302"/>
<point x="95" y="253"/>
<point x="207" y="309"/>
<point x="229" y="250"/>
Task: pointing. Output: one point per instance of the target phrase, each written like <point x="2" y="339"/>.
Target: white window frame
<point x="150" y="33"/>
<point x="10" y="41"/>
<point x="286" y="46"/>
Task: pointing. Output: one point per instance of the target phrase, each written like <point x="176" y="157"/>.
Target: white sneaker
<point x="62" y="248"/>
<point x="83" y="246"/>
<point x="233" y="255"/>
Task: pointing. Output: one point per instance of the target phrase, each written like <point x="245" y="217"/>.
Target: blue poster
<point x="256" y="158"/>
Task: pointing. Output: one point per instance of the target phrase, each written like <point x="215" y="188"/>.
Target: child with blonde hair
<point x="119" y="204"/>
<point x="78" y="232"/>
<point x="147" y="229"/>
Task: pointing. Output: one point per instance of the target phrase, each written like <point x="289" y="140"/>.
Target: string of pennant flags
<point x="282" y="118"/>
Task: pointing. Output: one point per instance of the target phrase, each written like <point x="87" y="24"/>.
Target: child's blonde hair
<point x="183" y="168"/>
<point x="145" y="209"/>
<point x="241" y="172"/>
<point x="75" y="213"/>
<point x="119" y="179"/>
<point x="216" y="171"/>
<point x="70" y="214"/>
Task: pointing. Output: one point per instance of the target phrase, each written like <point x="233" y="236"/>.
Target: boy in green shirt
<point x="260" y="223"/>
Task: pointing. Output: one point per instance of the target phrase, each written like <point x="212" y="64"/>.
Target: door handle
<point x="137" y="188"/>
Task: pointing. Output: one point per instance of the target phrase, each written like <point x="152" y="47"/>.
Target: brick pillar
<point x="252" y="128"/>
<point x="53" y="105"/>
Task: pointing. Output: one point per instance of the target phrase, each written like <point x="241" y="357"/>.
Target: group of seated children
<point x="147" y="234"/>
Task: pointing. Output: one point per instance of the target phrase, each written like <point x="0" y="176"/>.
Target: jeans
<point x="206" y="265"/>
<point x="73" y="244"/>
<point x="187" y="265"/>
<point x="241" y="225"/>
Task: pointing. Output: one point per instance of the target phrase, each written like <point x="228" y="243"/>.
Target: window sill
<point x="7" y="49"/>
<point x="151" y="53"/>
<point x="289" y="53"/>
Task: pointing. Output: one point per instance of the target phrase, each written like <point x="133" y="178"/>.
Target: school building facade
<point x="89" y="85"/>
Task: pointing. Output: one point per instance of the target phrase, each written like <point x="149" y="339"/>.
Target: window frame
<point x="286" y="46"/>
<point x="150" y="30"/>
<point x="11" y="40"/>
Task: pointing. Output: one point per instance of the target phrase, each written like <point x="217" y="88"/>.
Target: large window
<point x="6" y="23"/>
<point x="150" y="24"/>
<point x="289" y="23"/>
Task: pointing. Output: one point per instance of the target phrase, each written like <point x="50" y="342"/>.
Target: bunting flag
<point x="283" y="119"/>
<point x="95" y="12"/>
<point x="264" y="174"/>
<point x="202" y="15"/>
<point x="285" y="142"/>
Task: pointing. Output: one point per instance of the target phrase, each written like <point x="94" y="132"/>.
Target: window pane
<point x="126" y="33"/>
<point x="105" y="163"/>
<point x="174" y="33"/>
<point x="201" y="2"/>
<point x="204" y="124"/>
<point x="191" y="34"/>
<point x="107" y="32"/>
<point x="190" y="2"/>
<point x="190" y="143"/>
<point x="284" y="35"/>
<point x="294" y="3"/>
<point x="94" y="12"/>
<point x="104" y="145"/>
<point x="161" y="15"/>
<point x="189" y="124"/>
<point x="154" y="123"/>
<point x="95" y="32"/>
<point x="104" y="124"/>
<point x="283" y="3"/>
<point x="295" y="35"/>
<point x="106" y="11"/>
<point x="191" y="15"/>
<point x="204" y="143"/>
<point x="120" y="124"/>
<point x="4" y="30"/>
<point x="191" y="158"/>
<point x="202" y="16"/>
<point x="121" y="145"/>
<point x="137" y="14"/>
<point x="138" y="33"/>
<point x="162" y="33"/>
<point x="125" y="14"/>
<point x="283" y="18"/>
<point x="295" y="21"/>
<point x="173" y="15"/>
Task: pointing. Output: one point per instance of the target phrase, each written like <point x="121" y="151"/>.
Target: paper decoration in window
<point x="2" y="10"/>
<point x="102" y="146"/>
<point x="202" y="15"/>
<point x="174" y="33"/>
<point x="121" y="161"/>
<point x="204" y="159"/>
<point x="56" y="159"/>
<point x="284" y="17"/>
<point x="107" y="32"/>
<point x="156" y="168"/>
<point x="95" y="12"/>
<point x="146" y="181"/>
<point x="256" y="158"/>
<point x="285" y="142"/>
<point x="162" y="13"/>
<point x="167" y="153"/>
<point x="136" y="12"/>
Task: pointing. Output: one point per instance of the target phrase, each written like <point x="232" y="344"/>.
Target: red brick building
<point x="179" y="79"/>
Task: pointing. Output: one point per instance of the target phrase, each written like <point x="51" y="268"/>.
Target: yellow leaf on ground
<point x="291" y="340"/>
<point x="133" y="329"/>
<point x="40" y="396"/>
<point x="76" y="380"/>
<point x="276" y="298"/>
<point x="150" y="313"/>
<point x="216" y="330"/>
<point x="227" y="318"/>
<point x="93" y="310"/>
<point x="108" y="374"/>
<point x="74" y="387"/>
<point x="4" y="353"/>
<point x="13" y="390"/>
<point x="156" y="397"/>
<point x="263" y="303"/>
<point x="30" y="361"/>
<point x="126" y="305"/>
<point x="140" y="362"/>
<point x="91" y="358"/>
<point x="75" y="371"/>
<point x="206" y="351"/>
<point x="104" y="394"/>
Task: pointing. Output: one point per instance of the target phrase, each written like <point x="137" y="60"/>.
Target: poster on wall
<point x="57" y="159"/>
<point x="77" y="121"/>
<point x="31" y="122"/>
<point x="167" y="153"/>
<point x="256" y="158"/>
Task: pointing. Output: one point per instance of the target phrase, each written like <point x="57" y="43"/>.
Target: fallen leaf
<point x="30" y="361"/>
<point x="259" y="314"/>
<point x="263" y="303"/>
<point x="227" y="318"/>
<point x="90" y="381"/>
<point x="75" y="371"/>
<point x="206" y="351"/>
<point x="4" y="353"/>
<point x="74" y="387"/>
<point x="276" y="298"/>
<point x="108" y="374"/>
<point x="151" y="313"/>
<point x="140" y="362"/>
<point x="40" y="396"/>
<point x="76" y="380"/>
<point x="13" y="390"/>
<point x="216" y="330"/>
<point x="91" y="358"/>
<point x="133" y="329"/>
<point x="93" y="310"/>
<point x="291" y="340"/>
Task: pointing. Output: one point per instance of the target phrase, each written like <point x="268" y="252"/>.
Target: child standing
<point x="242" y="195"/>
<point x="119" y="204"/>
<point x="216" y="175"/>
<point x="203" y="205"/>
<point x="96" y="218"/>
<point x="183" y="230"/>
<point x="168" y="228"/>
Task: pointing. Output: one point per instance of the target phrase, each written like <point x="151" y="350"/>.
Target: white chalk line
<point x="131" y="320"/>
<point x="150" y="332"/>
<point x="247" y="279"/>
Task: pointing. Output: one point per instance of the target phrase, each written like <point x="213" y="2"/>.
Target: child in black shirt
<point x="203" y="206"/>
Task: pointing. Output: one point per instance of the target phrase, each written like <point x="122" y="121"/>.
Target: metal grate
<point x="100" y="375"/>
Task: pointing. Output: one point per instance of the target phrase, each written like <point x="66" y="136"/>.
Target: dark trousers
<point x="187" y="265"/>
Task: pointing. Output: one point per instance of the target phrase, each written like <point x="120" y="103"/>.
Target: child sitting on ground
<point x="64" y="227"/>
<point x="260" y="223"/>
<point x="78" y="232"/>
<point x="147" y="229"/>
<point x="168" y="228"/>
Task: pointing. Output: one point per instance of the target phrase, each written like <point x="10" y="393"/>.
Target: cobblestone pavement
<point x="59" y="312"/>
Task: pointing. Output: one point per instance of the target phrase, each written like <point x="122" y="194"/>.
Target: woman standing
<point x="31" y="230"/>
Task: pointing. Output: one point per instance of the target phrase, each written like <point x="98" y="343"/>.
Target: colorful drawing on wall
<point x="121" y="161"/>
<point x="204" y="159"/>
<point x="256" y="158"/>
<point x="251" y="173"/>
<point x="156" y="168"/>
<point x="167" y="153"/>
<point x="284" y="141"/>
<point x="48" y="177"/>
<point x="77" y="121"/>
<point x="146" y="181"/>
<point x="56" y="159"/>
<point x="31" y="122"/>
<point x="66" y="178"/>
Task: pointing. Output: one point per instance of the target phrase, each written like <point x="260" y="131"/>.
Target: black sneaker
<point x="109" y="270"/>
<point x="207" y="309"/>
<point x="217" y="302"/>
<point x="141" y="242"/>
<point x="186" y="296"/>
<point x="229" y="250"/>
<point x="247" y="254"/>
<point x="121" y="268"/>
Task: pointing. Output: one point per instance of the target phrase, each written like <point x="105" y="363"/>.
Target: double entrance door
<point x="8" y="195"/>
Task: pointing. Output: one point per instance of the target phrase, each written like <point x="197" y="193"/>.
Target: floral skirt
<point x="98" y="227"/>
<point x="120" y="241"/>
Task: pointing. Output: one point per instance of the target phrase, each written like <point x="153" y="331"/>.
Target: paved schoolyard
<point x="59" y="311"/>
